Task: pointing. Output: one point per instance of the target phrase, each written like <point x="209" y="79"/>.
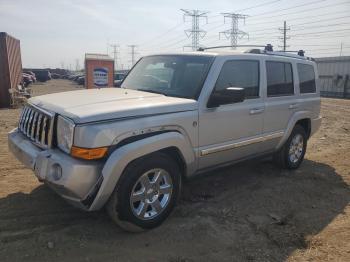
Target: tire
<point x="285" y="158"/>
<point x="157" y="198"/>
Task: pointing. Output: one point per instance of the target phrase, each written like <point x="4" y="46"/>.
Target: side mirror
<point x="229" y="95"/>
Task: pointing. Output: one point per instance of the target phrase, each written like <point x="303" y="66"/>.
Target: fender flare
<point x="121" y="157"/>
<point x="293" y="120"/>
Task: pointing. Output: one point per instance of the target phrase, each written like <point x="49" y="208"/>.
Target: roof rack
<point x="268" y="50"/>
<point x="267" y="47"/>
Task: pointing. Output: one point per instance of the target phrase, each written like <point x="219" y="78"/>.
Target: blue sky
<point x="55" y="33"/>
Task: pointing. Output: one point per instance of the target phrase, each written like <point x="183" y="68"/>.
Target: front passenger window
<point x="240" y="73"/>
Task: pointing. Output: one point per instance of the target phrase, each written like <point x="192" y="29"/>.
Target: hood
<point x="109" y="103"/>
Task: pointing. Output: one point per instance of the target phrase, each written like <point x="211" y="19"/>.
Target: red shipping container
<point x="10" y="67"/>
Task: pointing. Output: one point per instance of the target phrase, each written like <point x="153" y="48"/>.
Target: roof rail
<point x="268" y="50"/>
<point x="299" y="52"/>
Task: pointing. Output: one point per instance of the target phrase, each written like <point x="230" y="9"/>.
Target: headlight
<point x="65" y="133"/>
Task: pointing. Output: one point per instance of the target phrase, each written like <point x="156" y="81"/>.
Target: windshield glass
<point x="171" y="75"/>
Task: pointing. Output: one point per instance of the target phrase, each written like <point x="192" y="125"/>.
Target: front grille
<point x="37" y="125"/>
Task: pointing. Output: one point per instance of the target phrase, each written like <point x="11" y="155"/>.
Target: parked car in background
<point x="55" y="76"/>
<point x="42" y="75"/>
<point x="76" y="77"/>
<point x="26" y="79"/>
<point x="118" y="78"/>
<point x="31" y="74"/>
<point x="175" y="116"/>
<point x="81" y="80"/>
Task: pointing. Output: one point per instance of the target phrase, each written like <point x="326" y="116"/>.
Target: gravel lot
<point x="249" y="212"/>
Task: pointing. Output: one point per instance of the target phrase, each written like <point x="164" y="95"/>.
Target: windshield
<point x="171" y="75"/>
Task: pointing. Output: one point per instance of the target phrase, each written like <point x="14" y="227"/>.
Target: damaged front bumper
<point x="75" y="180"/>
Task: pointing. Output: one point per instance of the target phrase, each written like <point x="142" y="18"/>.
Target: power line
<point x="322" y="20"/>
<point x="258" y="5"/>
<point x="251" y="7"/>
<point x="166" y="32"/>
<point x="312" y="21"/>
<point x="325" y="49"/>
<point x="322" y="32"/>
<point x="195" y="32"/>
<point x="301" y="11"/>
<point x="234" y="33"/>
<point x="308" y="17"/>
<point x="321" y="26"/>
<point x="288" y="8"/>
<point x="301" y="28"/>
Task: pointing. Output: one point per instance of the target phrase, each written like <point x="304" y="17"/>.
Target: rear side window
<point x="279" y="78"/>
<point x="306" y="78"/>
<point x="240" y="73"/>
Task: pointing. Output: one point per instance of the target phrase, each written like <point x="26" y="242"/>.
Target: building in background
<point x="10" y="67"/>
<point x="334" y="75"/>
<point x="99" y="71"/>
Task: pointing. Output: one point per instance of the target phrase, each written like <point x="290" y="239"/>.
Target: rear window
<point x="307" y="80"/>
<point x="279" y="79"/>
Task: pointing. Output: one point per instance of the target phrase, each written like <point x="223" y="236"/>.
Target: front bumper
<point x="79" y="179"/>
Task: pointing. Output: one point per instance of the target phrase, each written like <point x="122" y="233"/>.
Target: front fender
<point x="122" y="156"/>
<point x="292" y="121"/>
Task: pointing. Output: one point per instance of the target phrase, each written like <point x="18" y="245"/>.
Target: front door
<point x="233" y="131"/>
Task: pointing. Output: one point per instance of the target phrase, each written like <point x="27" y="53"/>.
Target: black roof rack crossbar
<point x="267" y="47"/>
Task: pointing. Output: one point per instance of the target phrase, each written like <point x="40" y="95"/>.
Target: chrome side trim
<point x="247" y="142"/>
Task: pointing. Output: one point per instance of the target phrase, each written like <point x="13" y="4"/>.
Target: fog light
<point x="56" y="171"/>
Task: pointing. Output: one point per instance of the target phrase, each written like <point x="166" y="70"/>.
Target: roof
<point x="331" y="59"/>
<point x="98" y="57"/>
<point x="221" y="52"/>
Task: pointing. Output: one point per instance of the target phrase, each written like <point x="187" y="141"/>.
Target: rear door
<point x="280" y="100"/>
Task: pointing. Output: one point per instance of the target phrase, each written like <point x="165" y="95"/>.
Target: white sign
<point x="101" y="77"/>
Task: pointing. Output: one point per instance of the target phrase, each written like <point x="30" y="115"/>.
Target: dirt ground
<point x="249" y="212"/>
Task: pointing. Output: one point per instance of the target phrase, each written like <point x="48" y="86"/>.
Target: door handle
<point x="293" y="106"/>
<point x="255" y="111"/>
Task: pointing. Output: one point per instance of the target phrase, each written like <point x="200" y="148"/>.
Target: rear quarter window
<point x="307" y="82"/>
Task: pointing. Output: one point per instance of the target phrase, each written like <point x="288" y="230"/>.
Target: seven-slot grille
<point x="37" y="125"/>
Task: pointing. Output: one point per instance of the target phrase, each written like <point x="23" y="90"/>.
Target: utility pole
<point x="115" y="55"/>
<point x="77" y="65"/>
<point x="285" y="37"/>
<point x="133" y="53"/>
<point x="341" y="49"/>
<point x="195" y="32"/>
<point x="233" y="33"/>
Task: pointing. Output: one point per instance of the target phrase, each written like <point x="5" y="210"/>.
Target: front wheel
<point x="291" y="155"/>
<point x="146" y="193"/>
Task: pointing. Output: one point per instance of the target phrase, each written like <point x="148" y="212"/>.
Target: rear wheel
<point x="291" y="155"/>
<point x="146" y="193"/>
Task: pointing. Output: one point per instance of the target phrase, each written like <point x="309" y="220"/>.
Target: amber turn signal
<point x="88" y="153"/>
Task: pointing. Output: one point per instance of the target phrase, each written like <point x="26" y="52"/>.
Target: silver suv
<point x="175" y="116"/>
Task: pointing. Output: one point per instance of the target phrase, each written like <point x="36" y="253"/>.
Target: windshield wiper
<point x="151" y="91"/>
